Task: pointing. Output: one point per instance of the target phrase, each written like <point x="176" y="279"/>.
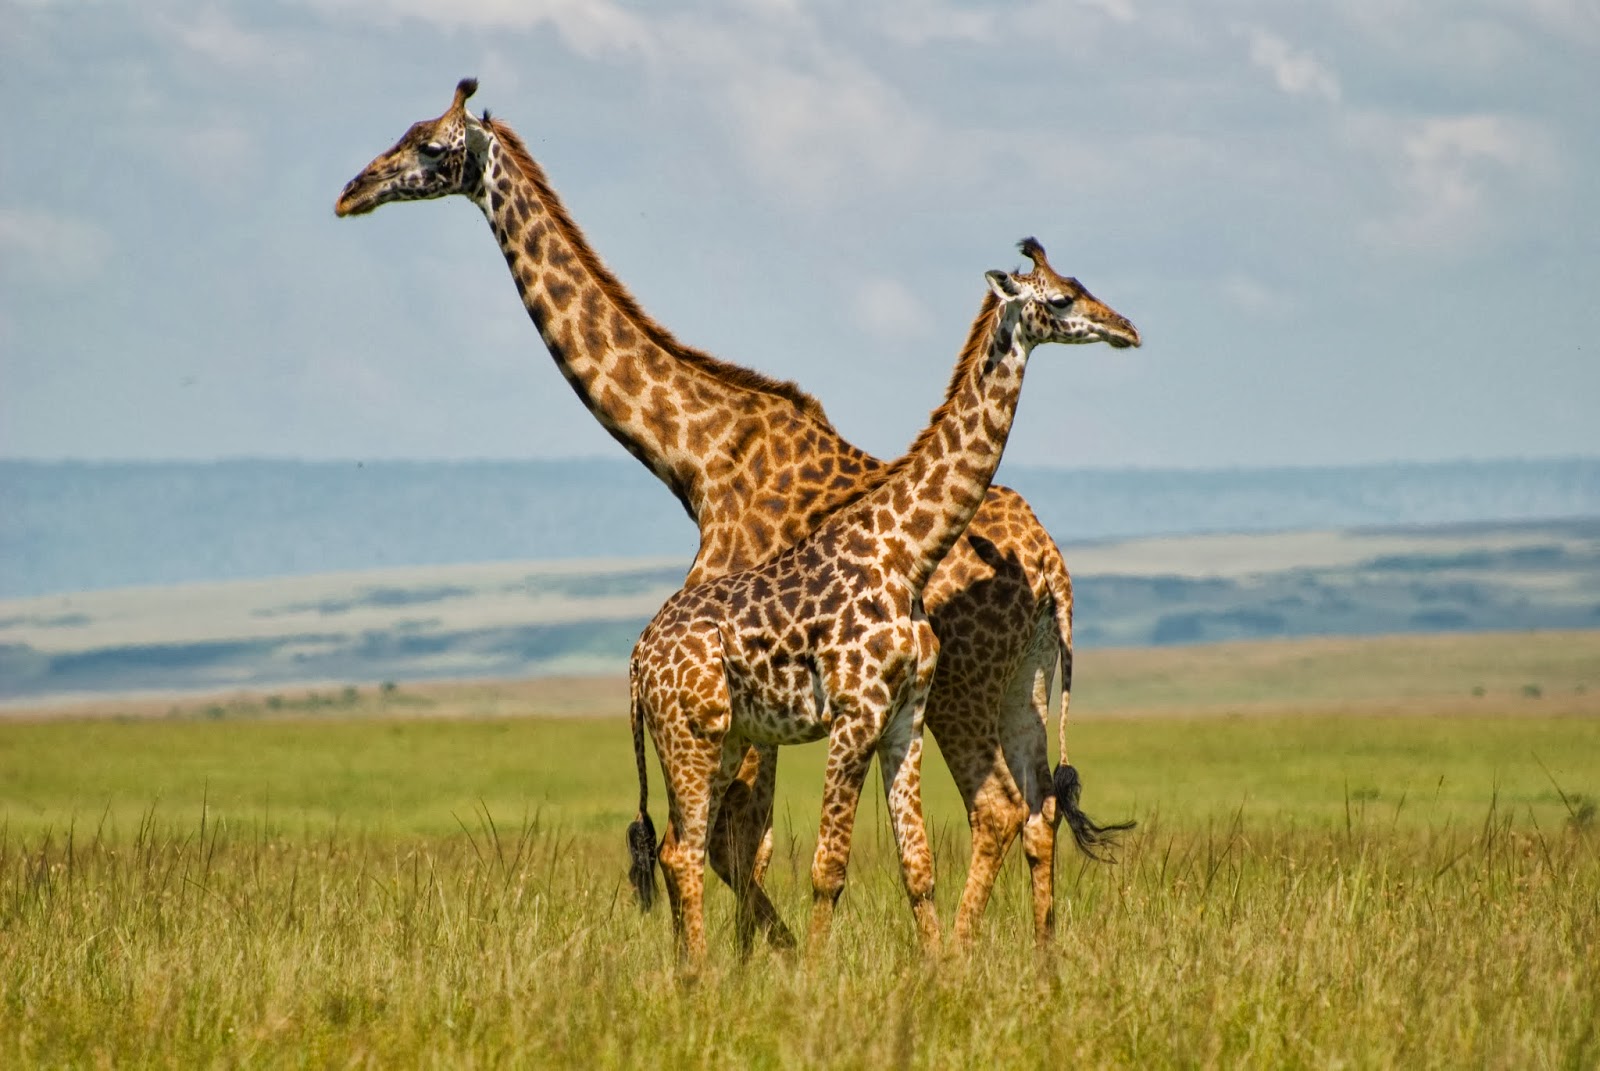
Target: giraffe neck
<point x="926" y="499"/>
<point x="672" y="407"/>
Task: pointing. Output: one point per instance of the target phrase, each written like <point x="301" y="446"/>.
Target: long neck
<point x="928" y="496"/>
<point x="671" y="406"/>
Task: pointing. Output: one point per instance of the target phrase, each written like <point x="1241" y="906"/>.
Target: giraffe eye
<point x="431" y="150"/>
<point x="1061" y="303"/>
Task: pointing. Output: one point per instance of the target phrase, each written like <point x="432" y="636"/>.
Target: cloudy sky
<point x="1350" y="232"/>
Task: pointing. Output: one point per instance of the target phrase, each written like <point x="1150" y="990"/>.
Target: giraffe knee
<point x="997" y="820"/>
<point x="919" y="880"/>
<point x="827" y="879"/>
<point x="674" y="856"/>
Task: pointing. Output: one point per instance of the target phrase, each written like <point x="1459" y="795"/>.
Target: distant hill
<point x="79" y="526"/>
<point x="519" y="619"/>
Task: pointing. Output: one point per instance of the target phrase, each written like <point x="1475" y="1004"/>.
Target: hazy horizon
<point x="78" y="525"/>
<point x="557" y="459"/>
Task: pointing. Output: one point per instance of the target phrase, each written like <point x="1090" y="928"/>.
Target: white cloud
<point x="772" y="8"/>
<point x="1046" y="22"/>
<point x="806" y="117"/>
<point x="806" y="132"/>
<point x="1294" y="71"/>
<point x="803" y="102"/>
<point x="917" y="22"/>
<point x="888" y="310"/>
<point x="1572" y="20"/>
<point x="591" y="28"/>
<point x="1442" y="41"/>
<point x="1120" y="10"/>
<point x="803" y="114"/>
<point x="1454" y="176"/>
<point x="52" y="248"/>
<point x="212" y="36"/>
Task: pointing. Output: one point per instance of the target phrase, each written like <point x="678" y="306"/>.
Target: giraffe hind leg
<point x="692" y="763"/>
<point x="741" y="845"/>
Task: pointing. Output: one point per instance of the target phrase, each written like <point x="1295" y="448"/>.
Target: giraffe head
<point x="433" y="159"/>
<point x="1045" y="306"/>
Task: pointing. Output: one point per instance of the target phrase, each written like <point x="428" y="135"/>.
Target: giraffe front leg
<point x="900" y="759"/>
<point x="849" y="758"/>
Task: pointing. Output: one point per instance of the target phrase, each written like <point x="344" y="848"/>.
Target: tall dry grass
<point x="1314" y="921"/>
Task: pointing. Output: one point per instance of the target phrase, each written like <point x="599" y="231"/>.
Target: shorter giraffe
<point x="829" y="638"/>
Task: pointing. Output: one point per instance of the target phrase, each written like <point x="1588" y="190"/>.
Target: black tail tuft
<point x="1094" y="840"/>
<point x="642" y="860"/>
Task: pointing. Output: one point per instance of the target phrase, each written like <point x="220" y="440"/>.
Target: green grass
<point x="1388" y="672"/>
<point x="1305" y="889"/>
<point x="425" y="776"/>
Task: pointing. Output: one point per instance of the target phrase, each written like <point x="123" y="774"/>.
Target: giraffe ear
<point x="1004" y="286"/>
<point x="477" y="137"/>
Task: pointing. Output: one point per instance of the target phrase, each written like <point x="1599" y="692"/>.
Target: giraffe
<point x="829" y="637"/>
<point x="756" y="464"/>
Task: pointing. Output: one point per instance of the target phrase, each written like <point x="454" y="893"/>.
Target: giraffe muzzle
<point x="1118" y="333"/>
<point x="349" y="202"/>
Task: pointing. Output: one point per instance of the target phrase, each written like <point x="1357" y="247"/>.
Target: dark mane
<point x="733" y="375"/>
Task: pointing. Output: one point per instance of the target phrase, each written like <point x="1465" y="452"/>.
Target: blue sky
<point x="1350" y="232"/>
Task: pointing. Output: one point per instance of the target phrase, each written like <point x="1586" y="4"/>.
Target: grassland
<point x="1367" y="853"/>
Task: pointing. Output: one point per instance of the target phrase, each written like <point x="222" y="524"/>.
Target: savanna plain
<point x="1351" y="853"/>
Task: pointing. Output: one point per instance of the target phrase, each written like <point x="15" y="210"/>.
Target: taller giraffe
<point x="757" y="466"/>
<point x="829" y="637"/>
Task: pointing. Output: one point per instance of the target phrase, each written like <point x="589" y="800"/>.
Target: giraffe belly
<point x="780" y="703"/>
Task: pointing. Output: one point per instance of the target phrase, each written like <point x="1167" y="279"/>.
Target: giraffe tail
<point x="1093" y="839"/>
<point x="641" y="832"/>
